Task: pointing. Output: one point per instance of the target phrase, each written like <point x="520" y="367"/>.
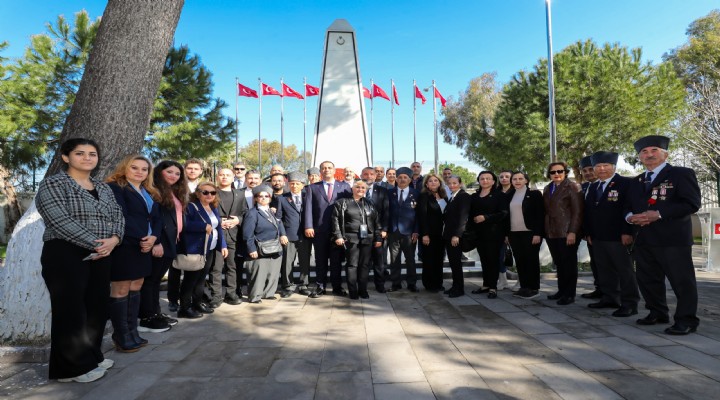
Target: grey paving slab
<point x="549" y="315"/>
<point x="529" y="324"/>
<point x="175" y="349"/>
<point x="438" y="354"/>
<point x="634" y="385"/>
<point x="464" y="384"/>
<point x="252" y="361"/>
<point x="403" y="391"/>
<point x="181" y="388"/>
<point x="693" y="359"/>
<point x="698" y="342"/>
<point x="572" y="383"/>
<point x="394" y="362"/>
<point x="142" y="376"/>
<point x="637" y="336"/>
<point x="580" y="354"/>
<point x="581" y="330"/>
<point x="345" y="385"/>
<point x="207" y="360"/>
<point x="632" y="355"/>
<point x="500" y="306"/>
<point x="690" y="383"/>
<point x="345" y="359"/>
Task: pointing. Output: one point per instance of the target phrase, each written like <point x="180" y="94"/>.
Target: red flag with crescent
<point x="378" y="92"/>
<point x="268" y="90"/>
<point x="439" y="96"/>
<point x="289" y="92"/>
<point x="395" y="95"/>
<point x="311" y="90"/>
<point x="366" y="93"/>
<point x="419" y="95"/>
<point x="246" y="91"/>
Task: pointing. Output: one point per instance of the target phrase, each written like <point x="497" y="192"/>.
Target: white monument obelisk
<point x="340" y="127"/>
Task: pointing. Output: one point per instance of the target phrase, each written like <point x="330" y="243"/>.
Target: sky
<point x="450" y="42"/>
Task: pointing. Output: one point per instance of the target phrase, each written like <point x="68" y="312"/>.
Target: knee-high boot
<point x="132" y="316"/>
<point x="121" y="336"/>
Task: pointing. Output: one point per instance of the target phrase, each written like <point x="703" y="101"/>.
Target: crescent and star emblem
<point x="340" y="40"/>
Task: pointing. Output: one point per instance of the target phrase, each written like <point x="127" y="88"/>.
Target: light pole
<point x="551" y="85"/>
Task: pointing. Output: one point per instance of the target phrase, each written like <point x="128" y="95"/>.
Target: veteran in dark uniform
<point x="609" y="235"/>
<point x="660" y="204"/>
<point x="588" y="175"/>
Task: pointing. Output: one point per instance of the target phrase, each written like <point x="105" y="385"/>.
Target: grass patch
<point x="3" y="250"/>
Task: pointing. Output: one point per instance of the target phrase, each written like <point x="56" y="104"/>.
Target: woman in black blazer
<point x="455" y="217"/>
<point x="429" y="214"/>
<point x="526" y="228"/>
<point x="260" y="224"/>
<point x="349" y="216"/>
<point x="169" y="180"/>
<point x="132" y="184"/>
<point x="488" y="218"/>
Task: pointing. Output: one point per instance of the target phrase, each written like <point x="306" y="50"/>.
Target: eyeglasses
<point x="557" y="172"/>
<point x="262" y="196"/>
<point x="208" y="193"/>
<point x="239" y="169"/>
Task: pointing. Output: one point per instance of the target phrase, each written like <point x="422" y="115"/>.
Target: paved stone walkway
<point x="406" y="345"/>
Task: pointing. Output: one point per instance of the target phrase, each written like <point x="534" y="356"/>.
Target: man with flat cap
<point x="660" y="203"/>
<point x="609" y="236"/>
<point x="588" y="175"/>
<point x="313" y="175"/>
<point x="290" y="212"/>
<point x="403" y="229"/>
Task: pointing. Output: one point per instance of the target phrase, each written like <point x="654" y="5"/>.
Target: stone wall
<point x="25" y="200"/>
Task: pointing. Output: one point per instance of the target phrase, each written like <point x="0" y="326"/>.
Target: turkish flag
<point x="366" y="93"/>
<point x="395" y="96"/>
<point x="439" y="96"/>
<point x="246" y="91"/>
<point x="378" y="92"/>
<point x="311" y="90"/>
<point x="289" y="92"/>
<point x="419" y="95"/>
<point x="267" y="90"/>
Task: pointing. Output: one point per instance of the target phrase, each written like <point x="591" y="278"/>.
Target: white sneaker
<point x="106" y="364"/>
<point x="502" y="282"/>
<point x="91" y="376"/>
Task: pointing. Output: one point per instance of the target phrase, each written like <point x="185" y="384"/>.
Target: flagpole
<point x="392" y="123"/>
<point x="260" y="126"/>
<point x="414" y="124"/>
<point x="304" y="123"/>
<point x="435" y="128"/>
<point x="282" y="126"/>
<point x="237" y="125"/>
<point x="551" y="84"/>
<point x="372" y="149"/>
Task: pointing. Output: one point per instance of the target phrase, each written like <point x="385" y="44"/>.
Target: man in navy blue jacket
<point x="660" y="204"/>
<point x="290" y="212"/>
<point x="319" y="200"/>
<point x="609" y="235"/>
<point x="403" y="229"/>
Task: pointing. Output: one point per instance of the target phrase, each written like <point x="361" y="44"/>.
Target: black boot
<point x="186" y="310"/>
<point x="121" y="336"/>
<point x="132" y="316"/>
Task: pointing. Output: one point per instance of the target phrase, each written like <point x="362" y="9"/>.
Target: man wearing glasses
<point x="239" y="171"/>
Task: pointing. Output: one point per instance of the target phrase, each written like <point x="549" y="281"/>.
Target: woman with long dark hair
<point x="488" y="218"/>
<point x="429" y="214"/>
<point x="132" y="184"/>
<point x="455" y="218"/>
<point x="83" y="225"/>
<point x="169" y="180"/>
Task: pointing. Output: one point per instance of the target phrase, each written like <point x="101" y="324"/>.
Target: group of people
<point x="109" y="244"/>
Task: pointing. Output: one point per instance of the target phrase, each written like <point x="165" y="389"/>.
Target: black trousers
<point x="594" y="267"/>
<point x="216" y="270"/>
<point x="299" y="249"/>
<point x="150" y="291"/>
<point x="454" y="254"/>
<point x="327" y="255"/>
<point x="488" y="252"/>
<point x="565" y="259"/>
<point x="402" y="244"/>
<point x="173" y="285"/>
<point x="654" y="264"/>
<point x="79" y="295"/>
<point x="378" y="259"/>
<point x="357" y="256"/>
<point x="615" y="273"/>
<point x="527" y="259"/>
<point x="432" y="262"/>
<point x="193" y="284"/>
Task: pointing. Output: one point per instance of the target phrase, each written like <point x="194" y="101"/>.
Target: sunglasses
<point x="557" y="172"/>
<point x="208" y="193"/>
<point x="239" y="169"/>
<point x="262" y="196"/>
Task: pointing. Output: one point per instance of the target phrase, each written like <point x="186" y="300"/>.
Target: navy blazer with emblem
<point x="318" y="208"/>
<point x="402" y="216"/>
<point x="291" y="217"/>
<point x="604" y="218"/>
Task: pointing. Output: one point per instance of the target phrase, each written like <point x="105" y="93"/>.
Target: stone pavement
<point x="406" y="345"/>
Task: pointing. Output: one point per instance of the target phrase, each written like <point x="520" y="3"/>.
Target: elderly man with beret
<point x="660" y="203"/>
<point x="290" y="212"/>
<point x="609" y="236"/>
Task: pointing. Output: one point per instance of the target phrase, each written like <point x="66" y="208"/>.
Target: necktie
<point x="368" y="194"/>
<point x="296" y="199"/>
<point x="648" y="180"/>
<point x="600" y="190"/>
<point x="402" y="198"/>
<point x="330" y="191"/>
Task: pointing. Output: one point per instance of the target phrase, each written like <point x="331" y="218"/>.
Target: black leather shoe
<point x="203" y="308"/>
<point x="595" y="294"/>
<point x="492" y="294"/>
<point x="481" y="290"/>
<point x="652" y="319"/>
<point x="624" y="312"/>
<point x="413" y="289"/>
<point x="215" y="303"/>
<point x="364" y="295"/>
<point x="316" y="293"/>
<point x="556" y="296"/>
<point x="354" y="296"/>
<point x="395" y="288"/>
<point x="455" y="293"/>
<point x="447" y="291"/>
<point x="286" y="293"/>
<point x="339" y="292"/>
<point x="233" y="300"/>
<point x="380" y="289"/>
<point x="305" y="292"/>
<point x="173" y="306"/>
<point x="680" y="329"/>
<point x="565" y="301"/>
<point x="603" y="304"/>
<point x="189" y="313"/>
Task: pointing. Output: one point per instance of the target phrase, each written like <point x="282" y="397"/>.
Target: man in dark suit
<point x="319" y="200"/>
<point x="232" y="208"/>
<point x="609" y="236"/>
<point x="660" y="204"/>
<point x="290" y="212"/>
<point x="588" y="175"/>
<point x="403" y="229"/>
<point x="416" y="178"/>
<point x="379" y="197"/>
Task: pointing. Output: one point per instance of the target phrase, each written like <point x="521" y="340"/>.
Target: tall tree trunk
<point x="113" y="107"/>
<point x="13" y="210"/>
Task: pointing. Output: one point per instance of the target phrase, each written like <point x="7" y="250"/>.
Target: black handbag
<point x="272" y="247"/>
<point x="508" y="257"/>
